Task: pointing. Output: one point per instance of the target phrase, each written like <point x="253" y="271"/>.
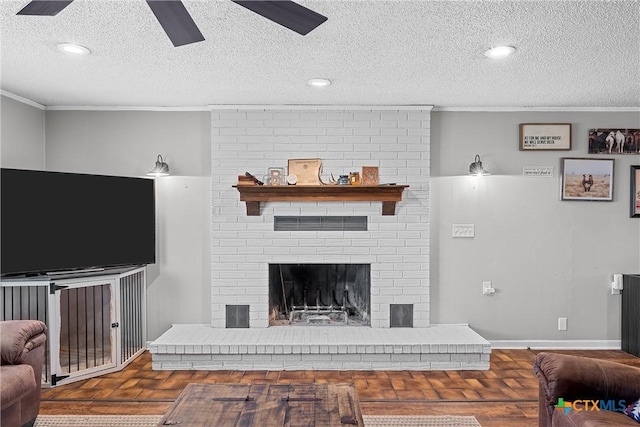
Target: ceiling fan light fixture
<point x="319" y="82"/>
<point x="73" y="49"/>
<point x="499" y="52"/>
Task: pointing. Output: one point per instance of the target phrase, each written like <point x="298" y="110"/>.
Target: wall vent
<point x="401" y="316"/>
<point x="237" y="316"/>
<point x="320" y="223"/>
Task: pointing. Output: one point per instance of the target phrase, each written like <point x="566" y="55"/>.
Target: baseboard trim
<point x="556" y="344"/>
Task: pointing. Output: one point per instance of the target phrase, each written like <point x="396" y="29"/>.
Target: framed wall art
<point x="635" y="191"/>
<point x="545" y="136"/>
<point x="614" y="141"/>
<point x="587" y="179"/>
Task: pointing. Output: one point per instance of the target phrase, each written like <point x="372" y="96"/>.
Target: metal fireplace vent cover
<point x="401" y="315"/>
<point x="320" y="223"/>
<point x="237" y="316"/>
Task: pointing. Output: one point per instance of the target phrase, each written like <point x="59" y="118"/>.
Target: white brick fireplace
<point x="397" y="140"/>
<point x="397" y="247"/>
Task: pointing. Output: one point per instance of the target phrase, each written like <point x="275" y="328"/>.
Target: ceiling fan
<point x="181" y="28"/>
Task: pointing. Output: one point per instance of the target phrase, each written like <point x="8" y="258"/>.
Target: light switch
<point x="463" y="230"/>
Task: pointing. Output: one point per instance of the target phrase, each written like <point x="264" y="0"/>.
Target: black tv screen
<point x="56" y="221"/>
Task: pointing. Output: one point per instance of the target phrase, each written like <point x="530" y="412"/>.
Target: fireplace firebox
<point x="320" y="294"/>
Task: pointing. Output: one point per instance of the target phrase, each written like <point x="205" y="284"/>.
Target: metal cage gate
<point x="96" y="324"/>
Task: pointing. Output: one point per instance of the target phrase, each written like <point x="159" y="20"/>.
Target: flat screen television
<point x="58" y="221"/>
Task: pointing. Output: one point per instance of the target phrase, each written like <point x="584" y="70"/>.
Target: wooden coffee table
<point x="265" y="405"/>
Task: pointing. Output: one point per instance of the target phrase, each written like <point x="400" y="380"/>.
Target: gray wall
<point x="547" y="258"/>
<point x="126" y="143"/>
<point x="21" y="135"/>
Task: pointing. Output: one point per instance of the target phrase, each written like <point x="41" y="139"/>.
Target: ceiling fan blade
<point x="176" y="21"/>
<point x="286" y="13"/>
<point x="44" y="7"/>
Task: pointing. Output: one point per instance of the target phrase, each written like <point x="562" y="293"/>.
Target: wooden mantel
<point x="253" y="195"/>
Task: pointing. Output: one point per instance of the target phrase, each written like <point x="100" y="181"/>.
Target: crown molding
<point x="540" y="109"/>
<point x="318" y="107"/>
<point x="21" y="99"/>
<point x="120" y="108"/>
<point x="213" y="107"/>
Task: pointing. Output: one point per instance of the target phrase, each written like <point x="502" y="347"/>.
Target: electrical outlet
<point x="487" y="288"/>
<point x="463" y="230"/>
<point x="616" y="285"/>
<point x="562" y="323"/>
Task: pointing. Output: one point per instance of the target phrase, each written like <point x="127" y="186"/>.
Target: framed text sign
<point x="545" y="136"/>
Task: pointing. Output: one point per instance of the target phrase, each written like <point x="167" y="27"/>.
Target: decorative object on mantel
<point x="307" y="171"/>
<point x="248" y="179"/>
<point x="545" y="136"/>
<point x="614" y="141"/>
<point x="160" y="169"/>
<point x="388" y="194"/>
<point x="332" y="181"/>
<point x="354" y="178"/>
<point x="277" y="176"/>
<point x="292" y="179"/>
<point x="370" y="175"/>
<point x="476" y="168"/>
<point x="343" y="180"/>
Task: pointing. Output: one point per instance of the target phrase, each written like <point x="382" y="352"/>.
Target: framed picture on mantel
<point x="545" y="136"/>
<point x="370" y="175"/>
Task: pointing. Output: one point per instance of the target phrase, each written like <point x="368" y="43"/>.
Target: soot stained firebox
<point x="319" y="294"/>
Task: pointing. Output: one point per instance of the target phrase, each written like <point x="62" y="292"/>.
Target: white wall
<point x="547" y="258"/>
<point x="21" y="135"/>
<point x="126" y="143"/>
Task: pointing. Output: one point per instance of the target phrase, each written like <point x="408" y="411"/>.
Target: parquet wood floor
<point x="504" y="396"/>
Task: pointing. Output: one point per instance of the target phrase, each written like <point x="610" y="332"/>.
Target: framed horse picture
<point x="635" y="191"/>
<point x="545" y="136"/>
<point x="587" y="179"/>
<point x="614" y="141"/>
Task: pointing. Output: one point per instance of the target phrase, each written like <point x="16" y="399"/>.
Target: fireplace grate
<point x="320" y="223"/>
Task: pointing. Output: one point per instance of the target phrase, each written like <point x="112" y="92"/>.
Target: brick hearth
<point x="201" y="347"/>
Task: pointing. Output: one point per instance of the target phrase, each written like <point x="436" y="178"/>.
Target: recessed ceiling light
<point x="500" y="52"/>
<point x="73" y="49"/>
<point x="319" y="82"/>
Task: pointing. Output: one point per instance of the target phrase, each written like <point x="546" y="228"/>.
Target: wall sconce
<point x="160" y="169"/>
<point x="476" y="168"/>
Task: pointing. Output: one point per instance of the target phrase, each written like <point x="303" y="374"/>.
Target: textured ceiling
<point x="570" y="54"/>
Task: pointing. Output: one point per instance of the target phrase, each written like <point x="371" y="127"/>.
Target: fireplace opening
<point x="320" y="294"/>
